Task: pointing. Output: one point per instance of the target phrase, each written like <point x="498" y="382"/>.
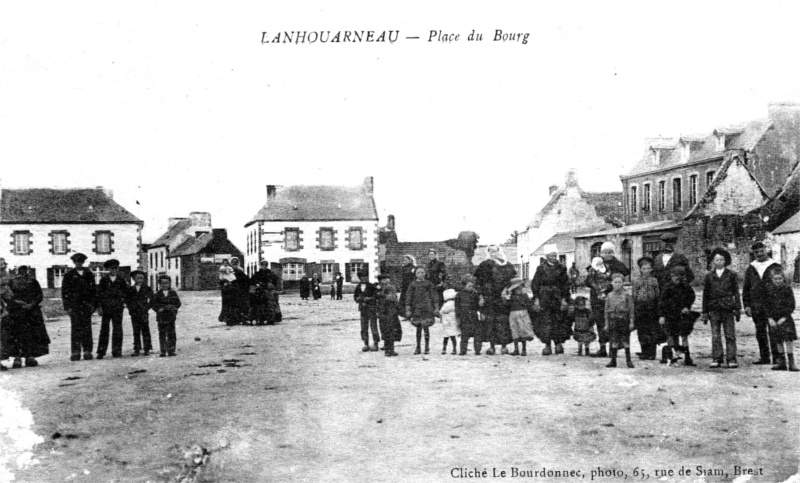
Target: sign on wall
<point x="269" y="238"/>
<point x="218" y="258"/>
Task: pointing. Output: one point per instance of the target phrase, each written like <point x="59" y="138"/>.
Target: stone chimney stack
<point x="785" y="114"/>
<point x="271" y="191"/>
<point x="106" y="191"/>
<point x="571" y="179"/>
<point x="369" y="185"/>
<point x="174" y="221"/>
<point x="200" y="218"/>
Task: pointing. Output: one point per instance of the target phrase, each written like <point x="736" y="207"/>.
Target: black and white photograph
<point x="454" y="241"/>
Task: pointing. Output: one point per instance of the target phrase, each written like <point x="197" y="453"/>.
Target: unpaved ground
<point x="303" y="403"/>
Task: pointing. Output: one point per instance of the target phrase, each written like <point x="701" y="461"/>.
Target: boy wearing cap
<point x="388" y="314"/>
<point x="79" y="296"/>
<point x="166" y="303"/>
<point x="138" y="302"/>
<point x="111" y="293"/>
<point x="364" y="296"/>
<point x="669" y="259"/>
<point x="674" y="307"/>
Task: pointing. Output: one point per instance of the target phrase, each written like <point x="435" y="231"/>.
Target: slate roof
<point x="48" y="205"/>
<point x="318" y="203"/>
<point x="792" y="225"/>
<point x="743" y="136"/>
<point x="169" y="236"/>
<point x="663" y="225"/>
<point x="191" y="245"/>
<point x="607" y="205"/>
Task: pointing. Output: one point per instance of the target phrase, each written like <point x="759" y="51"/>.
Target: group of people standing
<point x="253" y="300"/>
<point x="312" y="286"/>
<point x="24" y="335"/>
<point x="493" y="305"/>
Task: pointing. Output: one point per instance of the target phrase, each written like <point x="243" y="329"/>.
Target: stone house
<point x="786" y="247"/>
<point x="727" y="188"/>
<point x="569" y="210"/>
<point x="306" y="230"/>
<point x="178" y="231"/>
<point x="198" y="259"/>
<point x="45" y="227"/>
<point x="457" y="259"/>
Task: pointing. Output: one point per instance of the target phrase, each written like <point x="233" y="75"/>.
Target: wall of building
<point x="272" y="246"/>
<point x="786" y="251"/>
<point x="125" y="246"/>
<point x="776" y="154"/>
<point x="738" y="193"/>
<point x="199" y="275"/>
<point x="159" y="265"/>
<point x="654" y="214"/>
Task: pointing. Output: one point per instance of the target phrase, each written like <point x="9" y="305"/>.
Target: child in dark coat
<point x="388" y="314"/>
<point x="422" y="305"/>
<point x="646" y="293"/>
<point x="467" y="315"/>
<point x="582" y="325"/>
<point x="780" y="305"/>
<point x="675" y="315"/>
<point x="166" y="303"/>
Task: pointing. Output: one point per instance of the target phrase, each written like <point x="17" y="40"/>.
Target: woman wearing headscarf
<point x="406" y="277"/>
<point x="550" y="289"/>
<point x="27" y="335"/>
<point x="242" y="287"/>
<point x="491" y="277"/>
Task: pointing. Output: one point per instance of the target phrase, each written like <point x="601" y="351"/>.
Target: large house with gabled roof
<point x="307" y="230"/>
<point x="728" y="188"/>
<point x="43" y="227"/>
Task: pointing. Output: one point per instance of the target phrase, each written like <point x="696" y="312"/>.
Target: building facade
<point x="198" y="259"/>
<point x="43" y="228"/>
<point x="726" y="188"/>
<point x="178" y="231"/>
<point x="569" y="210"/>
<point x="322" y="230"/>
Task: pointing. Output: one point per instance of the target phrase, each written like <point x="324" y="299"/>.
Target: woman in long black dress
<point x="491" y="277"/>
<point x="26" y="334"/>
<point x="305" y="288"/>
<point x="550" y="289"/>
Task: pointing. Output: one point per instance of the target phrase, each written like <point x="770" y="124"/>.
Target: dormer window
<point x="720" y="142"/>
<point x="686" y="149"/>
<point x="656" y="156"/>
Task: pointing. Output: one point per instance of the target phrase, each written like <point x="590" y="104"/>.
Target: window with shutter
<point x="21" y="241"/>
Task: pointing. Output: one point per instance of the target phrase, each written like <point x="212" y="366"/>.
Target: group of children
<point x="659" y="313"/>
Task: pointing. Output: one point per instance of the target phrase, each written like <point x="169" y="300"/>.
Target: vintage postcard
<point x="399" y="241"/>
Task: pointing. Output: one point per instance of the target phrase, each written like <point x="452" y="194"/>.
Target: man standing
<point x="364" y="296"/>
<point x="573" y="278"/>
<point x="111" y="293"/>
<point x="79" y="297"/>
<point x="339" y="283"/>
<point x="138" y="301"/>
<point x="436" y="274"/>
<point x="757" y="279"/>
<point x="668" y="259"/>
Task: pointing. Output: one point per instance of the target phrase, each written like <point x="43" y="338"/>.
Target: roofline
<point x="141" y="223"/>
<point x="625" y="177"/>
<point x="599" y="234"/>
<point x="294" y="220"/>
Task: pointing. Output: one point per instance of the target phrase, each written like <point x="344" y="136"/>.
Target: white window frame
<point x="293" y="271"/>
<point x="326" y="269"/>
<point x="22" y="243"/>
<point x="295" y="240"/>
<point x="679" y="205"/>
<point x="351" y="245"/>
<point x="322" y="233"/>
<point x="100" y="237"/>
<point x="633" y="198"/>
<point x="662" y="195"/>
<point x="58" y="276"/>
<point x="693" y="190"/>
<point x="355" y="267"/>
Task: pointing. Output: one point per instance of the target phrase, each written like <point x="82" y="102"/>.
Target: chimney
<point x="390" y="222"/>
<point x="553" y="189"/>
<point x="173" y="221"/>
<point x="368" y="185"/>
<point x="271" y="190"/>
<point x="571" y="179"/>
<point x="786" y="114"/>
<point x="200" y="218"/>
<point x="219" y="233"/>
<point x="107" y="192"/>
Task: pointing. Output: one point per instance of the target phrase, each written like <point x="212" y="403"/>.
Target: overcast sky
<point x="180" y="107"/>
